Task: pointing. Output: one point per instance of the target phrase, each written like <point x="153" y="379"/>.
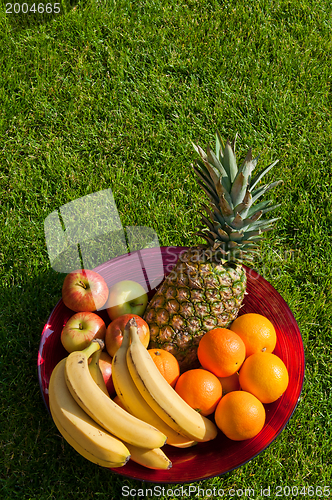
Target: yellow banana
<point x="134" y="402"/>
<point x="153" y="459"/>
<point x="95" y="371"/>
<point x="184" y="443"/>
<point x="79" y="427"/>
<point x="161" y="396"/>
<point x="85" y="453"/>
<point x="101" y="408"/>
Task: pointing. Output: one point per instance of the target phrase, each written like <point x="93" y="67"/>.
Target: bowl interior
<point x="221" y="455"/>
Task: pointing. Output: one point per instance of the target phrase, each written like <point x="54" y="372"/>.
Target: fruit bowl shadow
<point x="217" y="457"/>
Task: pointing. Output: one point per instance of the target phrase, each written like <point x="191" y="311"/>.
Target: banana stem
<point x="126" y="336"/>
<point x="94" y="346"/>
<point x="133" y="330"/>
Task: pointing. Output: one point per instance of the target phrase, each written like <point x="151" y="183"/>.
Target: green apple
<point x="126" y="297"/>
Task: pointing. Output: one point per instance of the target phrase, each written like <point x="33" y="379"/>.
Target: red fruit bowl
<point x="205" y="460"/>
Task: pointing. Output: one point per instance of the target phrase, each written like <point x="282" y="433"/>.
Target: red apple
<point x="105" y="364"/>
<point x="84" y="290"/>
<point x="114" y="332"/>
<point x="80" y="329"/>
<point x="126" y="297"/>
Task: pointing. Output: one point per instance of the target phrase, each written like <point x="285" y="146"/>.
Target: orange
<point x="265" y="375"/>
<point x="221" y="351"/>
<point x="256" y="331"/>
<point x="230" y="383"/>
<point x="240" y="415"/>
<point x="167" y="364"/>
<point x="200" y="389"/>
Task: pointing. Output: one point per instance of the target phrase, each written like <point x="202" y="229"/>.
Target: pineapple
<point x="206" y="288"/>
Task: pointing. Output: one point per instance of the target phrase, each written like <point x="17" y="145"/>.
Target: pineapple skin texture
<point x="198" y="295"/>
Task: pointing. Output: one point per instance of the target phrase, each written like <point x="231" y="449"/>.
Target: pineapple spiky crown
<point x="232" y="226"/>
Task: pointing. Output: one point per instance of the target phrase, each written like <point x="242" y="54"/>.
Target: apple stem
<point x="80" y="326"/>
<point x="83" y="285"/>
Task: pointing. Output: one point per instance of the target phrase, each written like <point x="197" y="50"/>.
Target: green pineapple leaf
<point x="229" y="162"/>
<point x="219" y="146"/>
<point x="257" y="193"/>
<point x="261" y="174"/>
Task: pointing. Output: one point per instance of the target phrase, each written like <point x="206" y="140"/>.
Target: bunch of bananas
<point x="150" y="414"/>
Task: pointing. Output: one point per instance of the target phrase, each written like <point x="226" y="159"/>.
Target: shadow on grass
<point x="24" y="311"/>
<point x="35" y="460"/>
<point x="27" y="430"/>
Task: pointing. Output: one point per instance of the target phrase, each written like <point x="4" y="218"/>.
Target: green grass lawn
<point x="110" y="95"/>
